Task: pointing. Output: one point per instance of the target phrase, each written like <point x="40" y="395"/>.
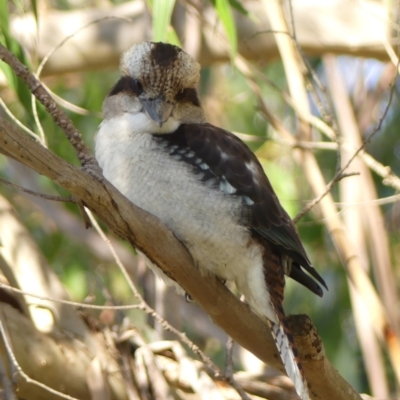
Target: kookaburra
<point x="204" y="183"/>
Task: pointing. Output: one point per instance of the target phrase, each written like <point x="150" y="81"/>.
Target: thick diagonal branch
<point x="146" y="233"/>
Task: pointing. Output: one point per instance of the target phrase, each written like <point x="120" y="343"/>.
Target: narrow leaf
<point x="35" y="11"/>
<point x="162" y="11"/>
<point x="225" y="14"/>
<point x="172" y="37"/>
<point x="237" y="5"/>
<point x="4" y="17"/>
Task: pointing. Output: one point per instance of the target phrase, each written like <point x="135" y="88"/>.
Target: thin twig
<point x="71" y="303"/>
<point x="384" y="171"/>
<point x="43" y="139"/>
<point x="70" y="106"/>
<point x="60" y="44"/>
<point x="338" y="177"/>
<point x="389" y="178"/>
<point x="340" y="174"/>
<point x="144" y="306"/>
<point x="8" y="390"/>
<point x="229" y="369"/>
<point x="19" y="370"/>
<point x="50" y="53"/>
<point x="40" y="195"/>
<point x="228" y="356"/>
<point x="18" y="122"/>
<point x="301" y="144"/>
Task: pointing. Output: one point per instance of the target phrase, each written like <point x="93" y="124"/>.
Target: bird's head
<point x="158" y="83"/>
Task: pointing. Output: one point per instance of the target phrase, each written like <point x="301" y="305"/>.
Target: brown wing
<point x="226" y="163"/>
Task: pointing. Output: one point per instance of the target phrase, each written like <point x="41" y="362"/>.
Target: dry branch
<point x="145" y="232"/>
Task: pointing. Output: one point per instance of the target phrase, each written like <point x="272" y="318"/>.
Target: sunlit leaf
<point x="4" y="17"/>
<point x="172" y="37"/>
<point x="225" y="14"/>
<point x="162" y="11"/>
<point x="237" y="5"/>
<point x="35" y="11"/>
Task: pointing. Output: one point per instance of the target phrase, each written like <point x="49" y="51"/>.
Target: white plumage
<point x="203" y="220"/>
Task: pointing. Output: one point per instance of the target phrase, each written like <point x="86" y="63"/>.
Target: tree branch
<point x="145" y="232"/>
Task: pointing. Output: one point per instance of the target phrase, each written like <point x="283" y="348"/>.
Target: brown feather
<point x="274" y="273"/>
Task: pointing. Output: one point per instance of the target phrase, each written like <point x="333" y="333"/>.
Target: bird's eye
<point x="136" y="87"/>
<point x="127" y="84"/>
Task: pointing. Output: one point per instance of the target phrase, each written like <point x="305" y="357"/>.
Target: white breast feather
<point x="204" y="219"/>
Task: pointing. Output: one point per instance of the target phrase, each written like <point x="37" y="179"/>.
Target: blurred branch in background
<point x="339" y="26"/>
<point x="361" y="224"/>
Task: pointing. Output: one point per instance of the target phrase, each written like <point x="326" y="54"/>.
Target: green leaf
<point x="35" y="11"/>
<point x="162" y="11"/>
<point x="4" y="17"/>
<point x="237" y="5"/>
<point x="172" y="37"/>
<point x="224" y="12"/>
<point x="11" y="44"/>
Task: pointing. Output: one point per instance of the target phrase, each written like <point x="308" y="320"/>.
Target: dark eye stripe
<point x="127" y="84"/>
<point x="188" y="95"/>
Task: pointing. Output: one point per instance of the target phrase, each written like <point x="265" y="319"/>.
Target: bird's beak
<point x="158" y="110"/>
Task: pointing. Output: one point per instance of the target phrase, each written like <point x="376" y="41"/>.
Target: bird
<point x="205" y="184"/>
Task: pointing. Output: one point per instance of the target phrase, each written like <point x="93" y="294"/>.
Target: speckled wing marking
<point x="224" y="162"/>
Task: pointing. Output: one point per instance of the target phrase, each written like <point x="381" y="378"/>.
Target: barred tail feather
<point x="288" y="352"/>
